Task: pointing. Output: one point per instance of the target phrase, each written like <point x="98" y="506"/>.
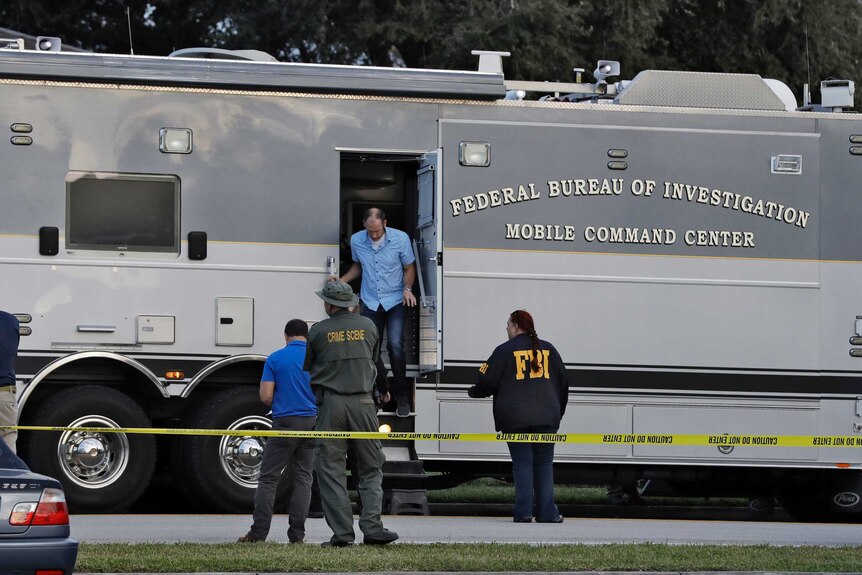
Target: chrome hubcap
<point x="91" y="459"/>
<point x="240" y="456"/>
<point x="90" y="452"/>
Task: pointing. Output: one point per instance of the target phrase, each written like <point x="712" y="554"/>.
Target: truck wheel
<point x="101" y="472"/>
<point x="221" y="471"/>
<point x="826" y="498"/>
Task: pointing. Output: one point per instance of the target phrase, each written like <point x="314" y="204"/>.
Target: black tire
<point x="214" y="482"/>
<point x="810" y="499"/>
<point x="805" y="497"/>
<point x="806" y="507"/>
<point x="116" y="478"/>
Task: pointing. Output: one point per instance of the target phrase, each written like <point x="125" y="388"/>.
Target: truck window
<point x="122" y="212"/>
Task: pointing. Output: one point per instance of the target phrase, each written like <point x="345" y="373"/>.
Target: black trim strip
<point x="687" y="381"/>
<point x="31" y="364"/>
<point x="132" y="354"/>
<point x="34" y="364"/>
<point x="797" y="382"/>
<point x="189" y="367"/>
<point x="662" y="368"/>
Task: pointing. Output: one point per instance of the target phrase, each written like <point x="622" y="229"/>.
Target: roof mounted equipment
<point x="490" y="61"/>
<point x="837" y="94"/>
<point x="605" y="69"/>
<point x="221" y="54"/>
<point x="40" y="44"/>
<point x="11" y="43"/>
<point x="48" y="44"/>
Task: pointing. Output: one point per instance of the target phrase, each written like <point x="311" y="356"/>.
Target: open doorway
<point x="388" y="182"/>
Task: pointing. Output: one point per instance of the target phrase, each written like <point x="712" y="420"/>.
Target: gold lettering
<point x="543" y="365"/>
<point x="335" y="336"/>
<point x="521" y="359"/>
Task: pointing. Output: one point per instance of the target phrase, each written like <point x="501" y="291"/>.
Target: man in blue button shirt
<point x="287" y="388"/>
<point x="383" y="256"/>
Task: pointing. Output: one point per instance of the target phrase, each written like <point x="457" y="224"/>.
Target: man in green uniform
<point x="340" y="357"/>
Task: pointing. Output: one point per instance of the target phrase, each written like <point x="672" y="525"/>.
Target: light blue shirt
<point x="382" y="269"/>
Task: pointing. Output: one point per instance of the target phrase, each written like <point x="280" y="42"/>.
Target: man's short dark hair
<point x="296" y="328"/>
<point x="367" y="214"/>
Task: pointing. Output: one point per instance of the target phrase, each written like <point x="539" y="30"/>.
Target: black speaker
<point x="49" y="241"/>
<point x="197" y="245"/>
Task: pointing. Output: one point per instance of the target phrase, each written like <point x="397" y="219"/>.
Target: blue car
<point x="34" y="521"/>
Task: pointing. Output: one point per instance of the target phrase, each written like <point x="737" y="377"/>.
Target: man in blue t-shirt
<point x="287" y="388"/>
<point x="8" y="352"/>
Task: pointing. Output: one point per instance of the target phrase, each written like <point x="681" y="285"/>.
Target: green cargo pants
<point x="355" y="412"/>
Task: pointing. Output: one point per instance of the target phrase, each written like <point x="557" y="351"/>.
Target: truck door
<point x="428" y="249"/>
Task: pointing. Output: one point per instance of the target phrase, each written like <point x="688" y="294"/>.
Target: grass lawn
<point x="270" y="557"/>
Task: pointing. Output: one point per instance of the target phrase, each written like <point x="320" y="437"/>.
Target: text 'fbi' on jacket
<point x="342" y="335"/>
<point x="522" y="364"/>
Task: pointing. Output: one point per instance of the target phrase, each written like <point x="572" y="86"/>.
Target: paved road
<point x="226" y="528"/>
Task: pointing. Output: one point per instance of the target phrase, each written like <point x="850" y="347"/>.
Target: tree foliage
<point x="790" y="40"/>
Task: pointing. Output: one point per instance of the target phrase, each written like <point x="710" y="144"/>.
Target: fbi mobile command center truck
<point x="690" y="242"/>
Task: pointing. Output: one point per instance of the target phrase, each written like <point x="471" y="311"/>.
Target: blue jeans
<point x="533" y="471"/>
<point x="393" y="320"/>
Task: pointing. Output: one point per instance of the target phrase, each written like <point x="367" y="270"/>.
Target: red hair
<point x="524" y="321"/>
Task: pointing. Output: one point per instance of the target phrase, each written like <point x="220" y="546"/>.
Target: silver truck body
<point x="696" y="264"/>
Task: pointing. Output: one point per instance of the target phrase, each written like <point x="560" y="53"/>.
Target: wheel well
<point x="93" y="371"/>
<point x="246" y="371"/>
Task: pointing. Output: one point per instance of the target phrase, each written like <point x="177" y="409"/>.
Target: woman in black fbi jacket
<point x="528" y="380"/>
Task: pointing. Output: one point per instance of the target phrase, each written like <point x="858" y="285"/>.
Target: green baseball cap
<point x="338" y="293"/>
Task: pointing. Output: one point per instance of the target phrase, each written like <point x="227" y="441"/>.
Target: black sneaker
<point x="402" y="407"/>
<point x="557" y="519"/>
<point x="380" y="538"/>
<point x="336" y="544"/>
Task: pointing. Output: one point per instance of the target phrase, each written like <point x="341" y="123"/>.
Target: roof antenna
<point x="129" y="21"/>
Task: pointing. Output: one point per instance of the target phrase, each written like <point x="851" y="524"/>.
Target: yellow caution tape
<point x="725" y="440"/>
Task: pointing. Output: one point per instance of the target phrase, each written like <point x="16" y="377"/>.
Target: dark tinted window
<point x="122" y="213"/>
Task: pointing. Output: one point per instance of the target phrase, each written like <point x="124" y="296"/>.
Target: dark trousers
<point x="393" y="321"/>
<point x="355" y="412"/>
<point x="533" y="472"/>
<point x="287" y="485"/>
<point x="293" y="455"/>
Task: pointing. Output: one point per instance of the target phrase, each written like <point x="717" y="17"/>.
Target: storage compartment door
<point x="235" y="321"/>
<point x="428" y="248"/>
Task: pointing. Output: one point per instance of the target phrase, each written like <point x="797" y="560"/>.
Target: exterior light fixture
<point x="476" y="154"/>
<point x="175" y="141"/>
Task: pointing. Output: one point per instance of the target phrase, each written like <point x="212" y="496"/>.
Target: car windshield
<point x="8" y="459"/>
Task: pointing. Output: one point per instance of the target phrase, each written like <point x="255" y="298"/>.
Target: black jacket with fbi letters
<point x="524" y="400"/>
